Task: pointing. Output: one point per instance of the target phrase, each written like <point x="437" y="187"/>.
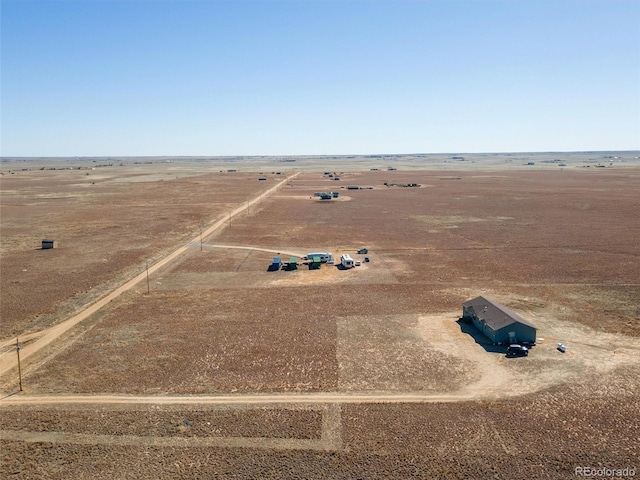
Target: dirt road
<point x="252" y="399"/>
<point x="269" y="250"/>
<point x="8" y="360"/>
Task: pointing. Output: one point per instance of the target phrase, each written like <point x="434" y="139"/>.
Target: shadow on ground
<point x="470" y="329"/>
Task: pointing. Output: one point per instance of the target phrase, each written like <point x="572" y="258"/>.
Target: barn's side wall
<point x="524" y="333"/>
<point x="484" y="328"/>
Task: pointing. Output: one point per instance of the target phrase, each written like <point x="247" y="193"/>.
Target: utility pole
<point x="147" y="277"/>
<point x="201" y="237"/>
<point x="18" y="348"/>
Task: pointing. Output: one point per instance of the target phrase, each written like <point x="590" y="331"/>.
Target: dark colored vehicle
<point x="517" y="351"/>
<point x="363" y="251"/>
<point x="366" y="259"/>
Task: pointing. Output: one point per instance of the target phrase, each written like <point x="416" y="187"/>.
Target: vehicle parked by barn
<point x="516" y="350"/>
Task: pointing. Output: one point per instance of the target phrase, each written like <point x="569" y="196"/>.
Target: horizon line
<point x="3" y="157"/>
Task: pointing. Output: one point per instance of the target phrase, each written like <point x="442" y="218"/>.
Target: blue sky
<point x="318" y="77"/>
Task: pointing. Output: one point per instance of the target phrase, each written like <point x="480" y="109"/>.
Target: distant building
<point x="497" y="322"/>
<point x="47" y="244"/>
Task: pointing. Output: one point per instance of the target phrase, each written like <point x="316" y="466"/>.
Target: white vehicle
<point x="346" y="261"/>
<point x="325" y="257"/>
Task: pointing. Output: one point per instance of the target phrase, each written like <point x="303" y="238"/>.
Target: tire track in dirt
<point x="8" y="360"/>
<point x="329" y="403"/>
<point x="149" y="441"/>
<point x="330" y="437"/>
<point x="269" y="250"/>
<point x="244" y="399"/>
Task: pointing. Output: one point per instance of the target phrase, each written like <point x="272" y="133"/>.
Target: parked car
<point x="517" y="351"/>
<point x="363" y="251"/>
<point x="366" y="259"/>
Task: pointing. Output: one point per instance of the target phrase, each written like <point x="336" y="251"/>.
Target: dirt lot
<point x="557" y="246"/>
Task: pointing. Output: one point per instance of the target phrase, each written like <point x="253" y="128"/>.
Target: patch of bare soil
<point x="388" y="354"/>
<point x="166" y="421"/>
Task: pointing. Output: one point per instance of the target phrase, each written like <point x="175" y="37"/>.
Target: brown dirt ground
<point x="105" y="226"/>
<point x="558" y="247"/>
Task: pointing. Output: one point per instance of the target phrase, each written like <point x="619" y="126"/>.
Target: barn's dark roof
<point x="494" y="314"/>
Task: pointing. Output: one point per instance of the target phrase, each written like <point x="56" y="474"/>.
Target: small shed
<point x="315" y="262"/>
<point x="497" y="322"/>
<point x="293" y="263"/>
<point x="275" y="265"/>
<point x="47" y="244"/>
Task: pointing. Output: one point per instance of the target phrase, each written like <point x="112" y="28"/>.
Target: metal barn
<point x="497" y="322"/>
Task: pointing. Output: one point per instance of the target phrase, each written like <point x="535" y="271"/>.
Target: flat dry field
<point x="557" y="246"/>
<point x="107" y="223"/>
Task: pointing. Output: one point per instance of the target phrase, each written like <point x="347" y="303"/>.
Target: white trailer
<point x="346" y="261"/>
<point x="325" y="257"/>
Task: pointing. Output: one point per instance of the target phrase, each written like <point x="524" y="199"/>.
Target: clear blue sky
<point x="318" y="77"/>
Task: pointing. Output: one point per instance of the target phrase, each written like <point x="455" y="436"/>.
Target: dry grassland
<point x="559" y="247"/>
<point x="106" y="226"/>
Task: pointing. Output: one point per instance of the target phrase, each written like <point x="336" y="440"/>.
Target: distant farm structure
<point x="326" y="195"/>
<point x="403" y="185"/>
